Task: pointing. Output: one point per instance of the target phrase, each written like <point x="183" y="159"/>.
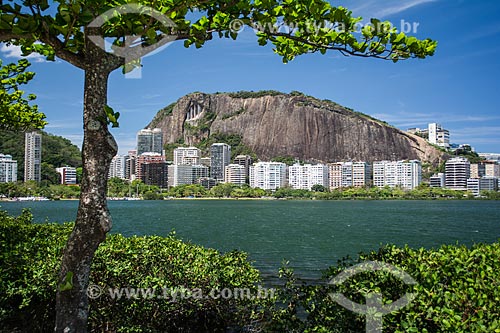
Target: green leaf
<point x="112" y="116"/>
<point x="67" y="283"/>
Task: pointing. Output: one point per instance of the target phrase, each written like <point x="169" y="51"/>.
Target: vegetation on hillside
<point x="56" y="152"/>
<point x="254" y="94"/>
<point x="471" y="156"/>
<point x="234" y="140"/>
<point x="166" y="111"/>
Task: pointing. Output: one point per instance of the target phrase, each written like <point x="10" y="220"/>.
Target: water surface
<point x="312" y="235"/>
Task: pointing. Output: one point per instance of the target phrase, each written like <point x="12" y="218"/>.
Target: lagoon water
<point x="311" y="235"/>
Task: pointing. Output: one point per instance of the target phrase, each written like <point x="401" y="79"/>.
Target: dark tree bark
<point x="93" y="219"/>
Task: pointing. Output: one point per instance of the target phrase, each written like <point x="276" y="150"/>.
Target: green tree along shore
<point x="120" y="188"/>
<point x="457" y="287"/>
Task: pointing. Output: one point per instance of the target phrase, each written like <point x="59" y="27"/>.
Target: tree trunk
<point x="93" y="219"/>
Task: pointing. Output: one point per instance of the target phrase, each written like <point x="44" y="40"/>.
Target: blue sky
<point x="459" y="87"/>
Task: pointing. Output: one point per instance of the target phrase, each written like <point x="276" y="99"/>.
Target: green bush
<point x="254" y="94"/>
<point x="29" y="264"/>
<point x="458" y="290"/>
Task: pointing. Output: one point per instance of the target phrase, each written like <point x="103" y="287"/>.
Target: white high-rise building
<point x="235" y="174"/>
<point x="437" y="180"/>
<point x="200" y="171"/>
<point x="8" y="169"/>
<point x="404" y="174"/>
<point x="187" y="156"/>
<point x="385" y="173"/>
<point x="33" y="156"/>
<point x="68" y="175"/>
<point x="118" y="167"/>
<point x="439" y="136"/>
<point x="457" y="173"/>
<point x="304" y="177"/>
<point x="410" y="174"/>
<point x="180" y="175"/>
<point x="361" y="174"/>
<point x="185" y="174"/>
<point x="347" y="174"/>
<point x="268" y="175"/>
<point x="474" y="186"/>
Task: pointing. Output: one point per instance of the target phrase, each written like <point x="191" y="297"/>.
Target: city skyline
<point x="455" y="88"/>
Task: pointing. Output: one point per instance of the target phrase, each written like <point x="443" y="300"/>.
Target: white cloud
<point x="401" y="7"/>
<point x="14" y="51"/>
<point x="76" y="139"/>
<point x="64" y="124"/>
<point x="377" y="8"/>
<point x="410" y="119"/>
<point x="490" y="132"/>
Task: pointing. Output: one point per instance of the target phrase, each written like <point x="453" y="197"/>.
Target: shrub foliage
<point x="457" y="290"/>
<point x="29" y="263"/>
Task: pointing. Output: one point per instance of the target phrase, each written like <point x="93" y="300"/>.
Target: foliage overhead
<point x="292" y="27"/>
<point x="16" y="113"/>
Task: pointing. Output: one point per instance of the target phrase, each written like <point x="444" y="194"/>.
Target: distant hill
<point x="271" y="124"/>
<point x="56" y="152"/>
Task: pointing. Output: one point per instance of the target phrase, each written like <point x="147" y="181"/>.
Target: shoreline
<point x="2" y="200"/>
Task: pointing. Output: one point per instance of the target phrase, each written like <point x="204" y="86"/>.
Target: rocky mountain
<point x="275" y="124"/>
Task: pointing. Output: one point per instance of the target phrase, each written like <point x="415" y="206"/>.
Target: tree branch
<point x="59" y="48"/>
<point x="7" y="36"/>
<point x="341" y="48"/>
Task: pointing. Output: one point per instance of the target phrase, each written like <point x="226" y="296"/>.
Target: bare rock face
<point x="274" y="124"/>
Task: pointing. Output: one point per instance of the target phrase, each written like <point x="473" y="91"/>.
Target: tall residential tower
<point x="457" y="173"/>
<point x="33" y="156"/>
<point x="220" y="157"/>
<point x="150" y="141"/>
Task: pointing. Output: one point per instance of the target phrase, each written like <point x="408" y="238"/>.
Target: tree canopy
<point x="66" y="29"/>
<point x="293" y="27"/>
<point x="16" y="113"/>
